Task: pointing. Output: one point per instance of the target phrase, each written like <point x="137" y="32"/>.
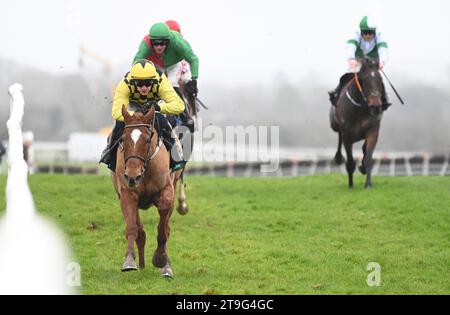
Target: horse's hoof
<point x="368" y="187"/>
<point x="159" y="261"/>
<point x="182" y="209"/>
<point x="339" y="159"/>
<point x="362" y="169"/>
<point x="129" y="264"/>
<point x="129" y="267"/>
<point x="166" y="271"/>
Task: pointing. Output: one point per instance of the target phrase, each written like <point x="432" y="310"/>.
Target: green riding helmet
<point x="159" y="31"/>
<point x="367" y="24"/>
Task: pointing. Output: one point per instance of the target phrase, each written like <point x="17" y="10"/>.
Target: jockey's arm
<point x="188" y="54"/>
<point x="173" y="105"/>
<point x="121" y="97"/>
<point x="142" y="52"/>
<point x="383" y="50"/>
<point x="351" y="46"/>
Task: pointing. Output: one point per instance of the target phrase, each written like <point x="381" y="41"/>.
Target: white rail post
<point x="33" y="255"/>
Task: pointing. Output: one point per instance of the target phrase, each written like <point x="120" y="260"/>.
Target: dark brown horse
<point x="142" y="179"/>
<point x="357" y="116"/>
<point x="178" y="176"/>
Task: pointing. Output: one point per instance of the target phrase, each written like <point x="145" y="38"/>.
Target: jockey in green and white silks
<point x="367" y="42"/>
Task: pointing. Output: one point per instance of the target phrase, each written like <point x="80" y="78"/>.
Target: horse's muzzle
<point x="133" y="181"/>
<point x="375" y="104"/>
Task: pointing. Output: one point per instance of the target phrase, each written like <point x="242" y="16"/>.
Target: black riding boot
<point x="109" y="153"/>
<point x="334" y="95"/>
<point x="171" y="142"/>
<point x="187" y="120"/>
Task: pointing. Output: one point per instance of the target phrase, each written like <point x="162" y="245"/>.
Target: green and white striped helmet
<point x="367" y="24"/>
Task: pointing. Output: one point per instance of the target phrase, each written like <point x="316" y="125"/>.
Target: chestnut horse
<point x="142" y="179"/>
<point x="357" y="116"/>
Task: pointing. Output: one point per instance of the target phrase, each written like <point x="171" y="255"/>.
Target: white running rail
<point x="33" y="254"/>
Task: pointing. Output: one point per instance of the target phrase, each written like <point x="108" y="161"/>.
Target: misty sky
<point x="238" y="41"/>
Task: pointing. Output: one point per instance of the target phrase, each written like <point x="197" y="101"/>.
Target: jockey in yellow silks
<point x="144" y="86"/>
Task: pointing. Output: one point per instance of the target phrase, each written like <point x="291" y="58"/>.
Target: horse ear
<point x="148" y="117"/>
<point x="125" y="113"/>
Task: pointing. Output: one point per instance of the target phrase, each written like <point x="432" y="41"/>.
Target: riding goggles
<point x="368" y="32"/>
<point x="145" y="82"/>
<point x="160" y="42"/>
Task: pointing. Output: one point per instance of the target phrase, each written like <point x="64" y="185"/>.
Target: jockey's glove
<point x="157" y="107"/>
<point x="151" y="104"/>
<point x="191" y="87"/>
<point x="353" y="65"/>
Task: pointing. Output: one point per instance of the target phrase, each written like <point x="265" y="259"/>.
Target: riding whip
<point x="200" y="102"/>
<point x="393" y="88"/>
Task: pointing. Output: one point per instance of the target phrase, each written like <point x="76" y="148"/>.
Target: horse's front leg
<point x="362" y="167"/>
<point x="165" y="208"/>
<point x="370" y="143"/>
<point x="128" y="203"/>
<point x="338" y="158"/>
<point x="350" y="165"/>
<point x="140" y="241"/>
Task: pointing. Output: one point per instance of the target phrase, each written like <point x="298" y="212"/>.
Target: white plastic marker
<point x="33" y="254"/>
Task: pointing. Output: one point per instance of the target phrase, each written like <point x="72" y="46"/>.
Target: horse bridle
<point x="148" y="157"/>
<point x="360" y="89"/>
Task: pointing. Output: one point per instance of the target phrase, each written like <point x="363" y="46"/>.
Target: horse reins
<point x="358" y="85"/>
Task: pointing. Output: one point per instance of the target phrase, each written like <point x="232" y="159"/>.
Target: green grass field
<point x="305" y="235"/>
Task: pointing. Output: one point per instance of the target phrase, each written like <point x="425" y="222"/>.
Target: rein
<point x="358" y="85"/>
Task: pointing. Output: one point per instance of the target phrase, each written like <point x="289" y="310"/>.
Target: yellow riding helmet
<point x="143" y="69"/>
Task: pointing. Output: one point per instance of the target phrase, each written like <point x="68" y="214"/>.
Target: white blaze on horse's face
<point x="135" y="135"/>
<point x="372" y="74"/>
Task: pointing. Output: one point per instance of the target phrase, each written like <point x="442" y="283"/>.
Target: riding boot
<point x="109" y="154"/>
<point x="334" y="95"/>
<point x="187" y="120"/>
<point x="171" y="142"/>
<point x="165" y="130"/>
